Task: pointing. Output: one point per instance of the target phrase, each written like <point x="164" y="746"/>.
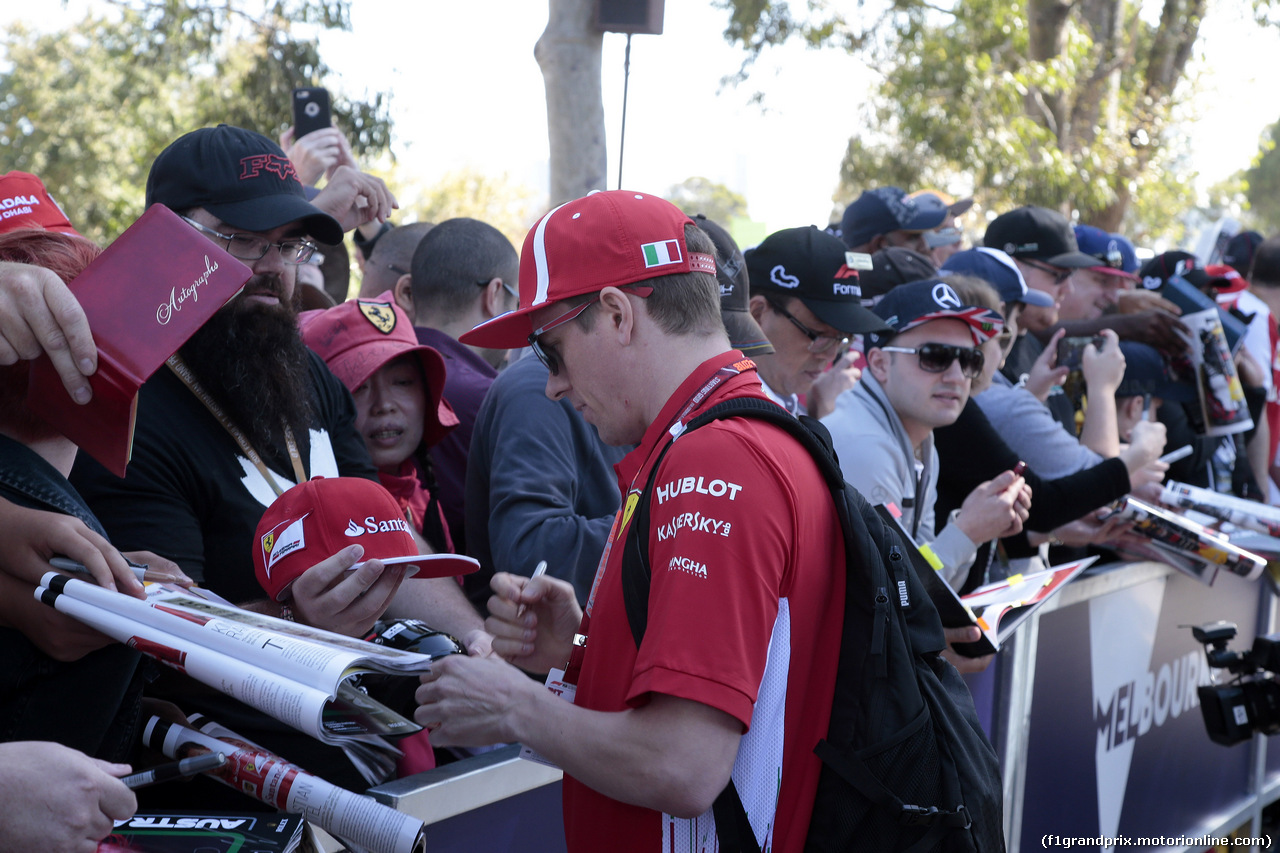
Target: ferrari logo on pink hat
<point x="379" y="314"/>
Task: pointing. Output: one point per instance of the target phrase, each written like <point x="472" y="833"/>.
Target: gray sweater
<point x="878" y="460"/>
<point x="1027" y="426"/>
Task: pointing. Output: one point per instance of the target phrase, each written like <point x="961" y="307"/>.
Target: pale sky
<point x="466" y="91"/>
<point x="468" y="95"/>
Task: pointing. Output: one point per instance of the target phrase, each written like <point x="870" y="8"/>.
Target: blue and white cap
<point x="998" y="270"/>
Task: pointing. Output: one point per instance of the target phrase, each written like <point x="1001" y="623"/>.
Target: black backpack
<point x="906" y="765"/>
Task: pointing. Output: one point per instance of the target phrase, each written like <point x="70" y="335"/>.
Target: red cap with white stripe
<point x="604" y="239"/>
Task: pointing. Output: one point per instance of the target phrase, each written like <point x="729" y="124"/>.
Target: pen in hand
<point x="176" y="770"/>
<point x="1174" y="455"/>
<point x="140" y="571"/>
<point x="538" y="572"/>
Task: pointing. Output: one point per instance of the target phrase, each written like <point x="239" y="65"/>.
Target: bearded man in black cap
<point x="244" y="411"/>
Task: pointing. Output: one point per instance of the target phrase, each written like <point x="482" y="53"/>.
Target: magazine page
<point x="1140" y="548"/>
<point x="1250" y="515"/>
<point x="1208" y="365"/>
<point x="329" y="715"/>
<point x="372" y="656"/>
<point x="1001" y="607"/>
<point x="303" y="652"/>
<point x="1169" y="531"/>
<point x="359" y="821"/>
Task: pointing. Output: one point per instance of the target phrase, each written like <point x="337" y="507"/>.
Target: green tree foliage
<point x="1262" y="181"/>
<point x="495" y="199"/>
<point x="1065" y="104"/>
<point x="88" y="108"/>
<point x="714" y="201"/>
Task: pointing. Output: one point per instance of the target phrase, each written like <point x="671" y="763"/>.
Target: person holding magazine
<point x="244" y="411"/>
<point x="1063" y="506"/>
<point x="54" y="746"/>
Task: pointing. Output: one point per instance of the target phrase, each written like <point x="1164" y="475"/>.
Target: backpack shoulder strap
<point x="635" y="558"/>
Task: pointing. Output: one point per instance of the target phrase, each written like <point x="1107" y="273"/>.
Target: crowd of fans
<point x="1002" y="394"/>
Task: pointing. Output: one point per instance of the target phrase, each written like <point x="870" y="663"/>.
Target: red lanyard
<point x="623" y="516"/>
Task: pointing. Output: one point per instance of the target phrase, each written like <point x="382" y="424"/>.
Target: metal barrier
<point x="1097" y="722"/>
<point x="1092" y="708"/>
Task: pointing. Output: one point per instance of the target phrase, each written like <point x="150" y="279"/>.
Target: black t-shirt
<point x="189" y="494"/>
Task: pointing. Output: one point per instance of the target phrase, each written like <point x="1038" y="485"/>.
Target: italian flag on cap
<point x="661" y="254"/>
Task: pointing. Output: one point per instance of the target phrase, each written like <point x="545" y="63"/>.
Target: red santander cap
<point x="607" y="238"/>
<point x="314" y="520"/>
<point x="25" y="203"/>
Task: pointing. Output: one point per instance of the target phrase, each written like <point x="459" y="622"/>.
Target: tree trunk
<point x="1102" y="84"/>
<point x="1047" y="21"/>
<point x="1110" y="217"/>
<point x="569" y="54"/>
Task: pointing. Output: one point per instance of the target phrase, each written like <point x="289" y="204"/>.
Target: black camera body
<point x="410" y="635"/>
<point x="1251" y="702"/>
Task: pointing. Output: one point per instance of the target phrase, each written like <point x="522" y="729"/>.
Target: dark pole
<point x="626" y="77"/>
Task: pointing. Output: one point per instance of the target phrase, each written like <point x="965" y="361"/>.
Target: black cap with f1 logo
<point x="816" y="268"/>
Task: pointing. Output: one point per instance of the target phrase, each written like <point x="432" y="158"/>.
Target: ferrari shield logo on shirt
<point x="281" y="541"/>
<point x="380" y="314"/>
<point x="661" y="254"/>
<point x="633" y="498"/>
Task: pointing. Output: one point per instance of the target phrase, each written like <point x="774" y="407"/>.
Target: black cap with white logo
<point x="816" y="268"/>
<point x="1037" y="234"/>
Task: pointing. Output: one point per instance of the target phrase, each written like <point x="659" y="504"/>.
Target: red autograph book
<point x="145" y="295"/>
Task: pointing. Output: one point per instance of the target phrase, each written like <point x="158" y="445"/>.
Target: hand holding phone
<point x="311" y="111"/>
<point x="1071" y="350"/>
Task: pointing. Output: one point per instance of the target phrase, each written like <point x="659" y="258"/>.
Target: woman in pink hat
<point x="397" y="383"/>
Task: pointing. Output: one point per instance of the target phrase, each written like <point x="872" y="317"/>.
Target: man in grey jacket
<point x="918" y="378"/>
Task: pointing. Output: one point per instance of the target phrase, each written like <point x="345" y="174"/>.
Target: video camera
<point x="1249" y="703"/>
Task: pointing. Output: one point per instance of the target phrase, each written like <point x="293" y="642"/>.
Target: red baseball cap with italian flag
<point x="607" y="238"/>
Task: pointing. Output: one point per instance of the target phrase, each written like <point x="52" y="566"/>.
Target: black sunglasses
<point x="937" y="358"/>
<point x="546" y="354"/>
<point x="1060" y="274"/>
<point x="818" y="341"/>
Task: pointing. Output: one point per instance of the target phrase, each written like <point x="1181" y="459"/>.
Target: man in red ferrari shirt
<point x="736" y="670"/>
